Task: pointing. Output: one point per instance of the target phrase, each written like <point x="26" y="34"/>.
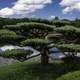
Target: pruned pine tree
<point x="32" y="29"/>
<point x="35" y="34"/>
<point x="41" y="45"/>
<point x="40" y="36"/>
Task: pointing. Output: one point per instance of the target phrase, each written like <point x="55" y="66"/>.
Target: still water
<point x="54" y="52"/>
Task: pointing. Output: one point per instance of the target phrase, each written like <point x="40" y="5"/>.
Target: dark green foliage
<point x="60" y="23"/>
<point x="41" y="34"/>
<point x="35" y="30"/>
<point x="35" y="42"/>
<point x="7" y="32"/>
<point x="55" y="37"/>
<point x="33" y="25"/>
<point x="66" y="29"/>
<point x="72" y="50"/>
<point x="70" y="34"/>
<point x="32" y="29"/>
<point x="71" y="58"/>
<point x="16" y="53"/>
<point x="41" y="45"/>
<point x="40" y="21"/>
<point x="12" y="27"/>
<point x="13" y="21"/>
<point x="70" y="76"/>
<point x="76" y="23"/>
<point x="69" y="47"/>
<point x="9" y="37"/>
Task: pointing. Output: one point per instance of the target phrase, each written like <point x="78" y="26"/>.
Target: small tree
<point x="40" y="36"/>
<point x="37" y="31"/>
<point x="41" y="45"/>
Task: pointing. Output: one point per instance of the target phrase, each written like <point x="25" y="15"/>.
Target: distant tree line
<point x="56" y="21"/>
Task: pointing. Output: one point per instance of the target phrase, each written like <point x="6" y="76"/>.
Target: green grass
<point x="70" y="76"/>
<point x="33" y="70"/>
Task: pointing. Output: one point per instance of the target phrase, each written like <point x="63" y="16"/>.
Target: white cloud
<point x="70" y="5"/>
<point x="22" y="7"/>
<point x="6" y="11"/>
<point x="52" y="17"/>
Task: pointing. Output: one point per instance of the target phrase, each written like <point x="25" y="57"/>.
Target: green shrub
<point x="70" y="76"/>
<point x="16" y="54"/>
<point x="59" y="23"/>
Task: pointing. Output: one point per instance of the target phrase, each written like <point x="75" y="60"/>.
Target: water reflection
<point x="55" y="53"/>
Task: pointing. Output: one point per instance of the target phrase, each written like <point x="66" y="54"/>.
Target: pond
<point x="5" y="61"/>
<point x="54" y="53"/>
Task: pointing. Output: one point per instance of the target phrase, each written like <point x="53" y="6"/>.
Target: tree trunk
<point x="44" y="59"/>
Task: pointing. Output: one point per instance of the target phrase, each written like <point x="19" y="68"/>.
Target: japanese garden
<point x="41" y="35"/>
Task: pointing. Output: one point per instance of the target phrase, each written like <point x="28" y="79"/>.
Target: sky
<point x="46" y="9"/>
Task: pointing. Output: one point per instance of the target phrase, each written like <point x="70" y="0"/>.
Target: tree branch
<point x="32" y="56"/>
<point x="24" y="59"/>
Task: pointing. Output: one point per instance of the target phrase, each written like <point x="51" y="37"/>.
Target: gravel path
<point x="5" y="61"/>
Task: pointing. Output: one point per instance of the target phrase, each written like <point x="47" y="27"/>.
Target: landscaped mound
<point x="71" y="76"/>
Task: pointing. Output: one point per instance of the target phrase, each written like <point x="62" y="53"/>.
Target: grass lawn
<point x="70" y="76"/>
<point x="32" y="70"/>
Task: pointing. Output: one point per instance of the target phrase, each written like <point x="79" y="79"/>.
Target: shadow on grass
<point x="52" y="71"/>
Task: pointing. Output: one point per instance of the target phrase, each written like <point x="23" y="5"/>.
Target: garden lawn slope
<point x="33" y="70"/>
<point x="71" y="76"/>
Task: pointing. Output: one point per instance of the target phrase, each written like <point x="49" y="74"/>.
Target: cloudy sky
<point x="48" y="9"/>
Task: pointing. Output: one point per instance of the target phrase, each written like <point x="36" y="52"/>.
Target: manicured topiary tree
<point x="35" y="34"/>
<point x="41" y="45"/>
<point x="32" y="29"/>
<point x="40" y="36"/>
